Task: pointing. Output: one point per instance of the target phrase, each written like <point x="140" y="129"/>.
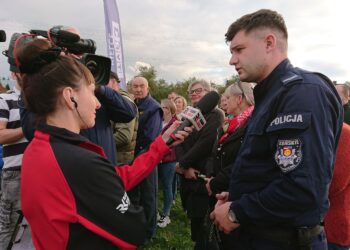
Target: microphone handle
<point x="185" y="123"/>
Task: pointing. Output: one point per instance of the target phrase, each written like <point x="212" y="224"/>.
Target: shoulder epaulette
<point x="290" y="77"/>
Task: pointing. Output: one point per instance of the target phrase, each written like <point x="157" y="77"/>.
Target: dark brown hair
<point x="41" y="88"/>
<point x="263" y="18"/>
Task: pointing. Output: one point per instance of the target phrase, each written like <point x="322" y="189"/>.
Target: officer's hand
<point x="221" y="220"/>
<point x="191" y="173"/>
<point x="222" y="198"/>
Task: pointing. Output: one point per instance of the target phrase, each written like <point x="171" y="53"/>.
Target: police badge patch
<point x="288" y="154"/>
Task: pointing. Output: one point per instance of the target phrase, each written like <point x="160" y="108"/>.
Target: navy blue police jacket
<point x="284" y="168"/>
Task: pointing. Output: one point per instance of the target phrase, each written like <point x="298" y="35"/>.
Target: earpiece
<point x="74" y="101"/>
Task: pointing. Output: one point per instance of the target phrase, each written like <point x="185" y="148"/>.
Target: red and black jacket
<point x="74" y="198"/>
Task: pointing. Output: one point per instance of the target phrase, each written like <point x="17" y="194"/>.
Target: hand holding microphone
<point x="194" y="116"/>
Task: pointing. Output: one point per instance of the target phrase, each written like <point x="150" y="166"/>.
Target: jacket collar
<point x="271" y="81"/>
<point x="68" y="136"/>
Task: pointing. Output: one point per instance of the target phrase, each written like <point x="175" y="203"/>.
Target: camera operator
<point x="114" y="107"/>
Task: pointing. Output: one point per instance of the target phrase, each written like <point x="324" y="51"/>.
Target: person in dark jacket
<point x="150" y="126"/>
<point x="192" y="156"/>
<point x="278" y="192"/>
<point x="114" y="107"/>
<point x="240" y="105"/>
<point x="72" y="196"/>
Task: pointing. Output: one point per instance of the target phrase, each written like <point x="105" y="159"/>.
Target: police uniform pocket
<point x="300" y="120"/>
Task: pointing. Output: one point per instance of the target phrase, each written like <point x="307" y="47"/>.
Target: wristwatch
<point x="232" y="217"/>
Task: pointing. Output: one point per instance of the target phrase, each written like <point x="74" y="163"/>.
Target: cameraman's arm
<point x="27" y="121"/>
<point x="119" y="109"/>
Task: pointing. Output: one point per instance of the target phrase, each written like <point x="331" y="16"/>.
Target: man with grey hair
<point x="150" y="126"/>
<point x="278" y="193"/>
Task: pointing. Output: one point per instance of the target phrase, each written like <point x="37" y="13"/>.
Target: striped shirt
<point x="9" y="113"/>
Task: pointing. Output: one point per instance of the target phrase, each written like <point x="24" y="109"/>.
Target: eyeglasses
<point x="195" y="91"/>
<point x="163" y="107"/>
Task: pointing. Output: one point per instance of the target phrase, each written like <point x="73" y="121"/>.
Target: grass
<point x="176" y="236"/>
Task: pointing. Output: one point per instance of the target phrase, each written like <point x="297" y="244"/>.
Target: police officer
<point x="279" y="186"/>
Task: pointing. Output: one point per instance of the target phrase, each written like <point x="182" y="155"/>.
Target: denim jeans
<point x="145" y="195"/>
<point x="9" y="204"/>
<point x="167" y="173"/>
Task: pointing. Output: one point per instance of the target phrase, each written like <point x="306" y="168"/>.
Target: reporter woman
<point x="72" y="196"/>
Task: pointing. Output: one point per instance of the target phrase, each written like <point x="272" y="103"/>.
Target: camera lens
<point x="99" y="66"/>
<point x="92" y="66"/>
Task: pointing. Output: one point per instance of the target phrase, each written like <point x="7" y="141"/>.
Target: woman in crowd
<point x="240" y="104"/>
<point x="72" y="196"/>
<point x="223" y="104"/>
<point x="166" y="168"/>
<point x="192" y="156"/>
<point x="180" y="103"/>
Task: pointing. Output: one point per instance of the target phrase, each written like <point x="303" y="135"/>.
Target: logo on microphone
<point x="194" y="116"/>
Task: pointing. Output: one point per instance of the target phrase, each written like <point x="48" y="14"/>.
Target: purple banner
<point x="114" y="40"/>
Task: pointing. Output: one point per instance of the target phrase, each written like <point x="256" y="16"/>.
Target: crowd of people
<point x="82" y="162"/>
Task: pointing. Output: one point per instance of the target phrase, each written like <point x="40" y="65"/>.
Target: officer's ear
<point x="270" y="42"/>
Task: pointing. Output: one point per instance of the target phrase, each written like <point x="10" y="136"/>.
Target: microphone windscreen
<point x="2" y="36"/>
<point x="68" y="36"/>
<point x="208" y="102"/>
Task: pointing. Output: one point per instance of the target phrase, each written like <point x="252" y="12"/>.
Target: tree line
<point x="160" y="88"/>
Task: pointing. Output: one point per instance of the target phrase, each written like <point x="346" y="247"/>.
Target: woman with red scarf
<point x="240" y="105"/>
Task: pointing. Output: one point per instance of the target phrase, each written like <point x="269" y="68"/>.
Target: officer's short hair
<point x="263" y="18"/>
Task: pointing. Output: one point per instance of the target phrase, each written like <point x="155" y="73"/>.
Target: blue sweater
<point x="150" y="122"/>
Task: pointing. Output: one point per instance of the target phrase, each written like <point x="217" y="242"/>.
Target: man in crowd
<point x="124" y="132"/>
<point x="14" y="144"/>
<point x="150" y="126"/>
<point x="280" y="179"/>
<point x="172" y="95"/>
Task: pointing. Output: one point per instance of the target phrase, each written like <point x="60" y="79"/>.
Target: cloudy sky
<point x="185" y="38"/>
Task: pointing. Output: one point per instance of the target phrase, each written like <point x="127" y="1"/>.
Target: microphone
<point x="194" y="116"/>
<point x="2" y="36"/>
<point x="64" y="36"/>
<point x="58" y="34"/>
